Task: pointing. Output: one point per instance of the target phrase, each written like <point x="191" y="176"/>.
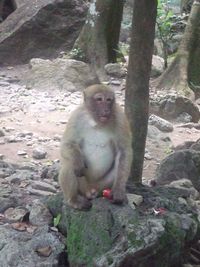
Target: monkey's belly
<point x="99" y="159"/>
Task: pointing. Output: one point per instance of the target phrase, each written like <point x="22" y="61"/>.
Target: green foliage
<point x="168" y="150"/>
<point x="77" y="53"/>
<point x="56" y="220"/>
<point x="164" y="25"/>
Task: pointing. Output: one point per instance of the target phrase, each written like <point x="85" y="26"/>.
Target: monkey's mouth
<point x="103" y="119"/>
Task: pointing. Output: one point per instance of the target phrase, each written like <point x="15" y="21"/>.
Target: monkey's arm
<point x="71" y="147"/>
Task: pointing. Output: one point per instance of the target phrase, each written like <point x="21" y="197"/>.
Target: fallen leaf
<point x="45" y="251"/>
<point x="24" y="184"/>
<point x="19" y="226"/>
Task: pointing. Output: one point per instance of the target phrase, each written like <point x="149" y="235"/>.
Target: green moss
<point x="97" y="244"/>
<point x="134" y="241"/>
<point x="173" y="237"/>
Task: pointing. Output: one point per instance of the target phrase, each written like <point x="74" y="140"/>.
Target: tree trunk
<point x="98" y="40"/>
<point x="185" y="68"/>
<point x="137" y="84"/>
<point x="186" y="6"/>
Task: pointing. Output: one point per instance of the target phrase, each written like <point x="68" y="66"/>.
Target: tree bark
<point x="98" y="40"/>
<point x="137" y="84"/>
<point x="185" y="69"/>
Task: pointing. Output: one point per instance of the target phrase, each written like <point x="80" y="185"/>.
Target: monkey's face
<point x="101" y="106"/>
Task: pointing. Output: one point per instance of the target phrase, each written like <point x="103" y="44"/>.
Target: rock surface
<point x="112" y="236"/>
<point x="161" y="124"/>
<point x="54" y="26"/>
<point x="19" y="248"/>
<point x="171" y="106"/>
<point x="178" y="165"/>
<point x="64" y="74"/>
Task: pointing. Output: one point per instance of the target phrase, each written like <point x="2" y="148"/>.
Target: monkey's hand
<point x="119" y="196"/>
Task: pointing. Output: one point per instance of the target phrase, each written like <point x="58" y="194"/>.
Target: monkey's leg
<point x="86" y="189"/>
<point x="69" y="184"/>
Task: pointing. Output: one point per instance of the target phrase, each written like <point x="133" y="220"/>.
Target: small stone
<point x="161" y="124"/>
<point x="115" y="70"/>
<point x="39" y="213"/>
<point x="15" y="214"/>
<point x="39" y="153"/>
<point x="52" y="108"/>
<point x="2" y="133"/>
<point x="57" y="137"/>
<point x="2" y="156"/>
<point x="12" y="139"/>
<point x="135" y="199"/>
<point x="43" y="186"/>
<point x="184" y="117"/>
<point x="9" y="129"/>
<point x="63" y="122"/>
<point x="4" y="84"/>
<point x="147" y="156"/>
<point x="115" y="82"/>
<point x="24" y="134"/>
<point x="39" y="192"/>
<point x="43" y="139"/>
<point x="21" y="153"/>
<point x="30" y="143"/>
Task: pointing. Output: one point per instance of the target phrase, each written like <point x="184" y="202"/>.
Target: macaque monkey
<point x="96" y="150"/>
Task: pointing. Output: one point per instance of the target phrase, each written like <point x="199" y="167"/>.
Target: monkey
<point x="96" y="150"/>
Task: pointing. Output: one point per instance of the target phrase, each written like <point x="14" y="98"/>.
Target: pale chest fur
<point x="98" y="149"/>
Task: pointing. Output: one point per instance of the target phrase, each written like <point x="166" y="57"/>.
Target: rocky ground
<point x="32" y="121"/>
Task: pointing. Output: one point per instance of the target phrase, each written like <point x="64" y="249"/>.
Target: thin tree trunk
<point x="98" y="40"/>
<point x="176" y="76"/>
<point x="137" y="84"/>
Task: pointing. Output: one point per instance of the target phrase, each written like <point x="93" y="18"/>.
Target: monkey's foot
<point x="119" y="197"/>
<point x="80" y="203"/>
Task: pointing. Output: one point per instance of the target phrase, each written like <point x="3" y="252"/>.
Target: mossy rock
<point x="118" y="236"/>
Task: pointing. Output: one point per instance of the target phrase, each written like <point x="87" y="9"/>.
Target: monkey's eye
<point x="109" y="100"/>
<point x="99" y="99"/>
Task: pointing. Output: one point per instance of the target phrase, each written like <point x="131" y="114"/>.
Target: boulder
<point x="171" y="106"/>
<point x="194" y="145"/>
<point x="154" y="233"/>
<point x="178" y="165"/>
<point x="115" y="70"/>
<point x="157" y="66"/>
<point x="40" y="28"/>
<point x="63" y="74"/>
<point x="20" y="248"/>
<point x="161" y="124"/>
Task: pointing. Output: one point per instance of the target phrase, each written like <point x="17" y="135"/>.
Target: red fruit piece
<point x="107" y="193"/>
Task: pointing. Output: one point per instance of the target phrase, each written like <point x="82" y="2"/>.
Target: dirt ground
<point x="44" y="115"/>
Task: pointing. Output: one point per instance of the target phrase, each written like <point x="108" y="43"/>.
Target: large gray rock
<point x="19" y="249"/>
<point x="161" y="124"/>
<point x="171" y="106"/>
<point x="178" y="165"/>
<point x="157" y="66"/>
<point x="116" y="236"/>
<point x="194" y="145"/>
<point x="63" y="74"/>
<point x="40" y="28"/>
